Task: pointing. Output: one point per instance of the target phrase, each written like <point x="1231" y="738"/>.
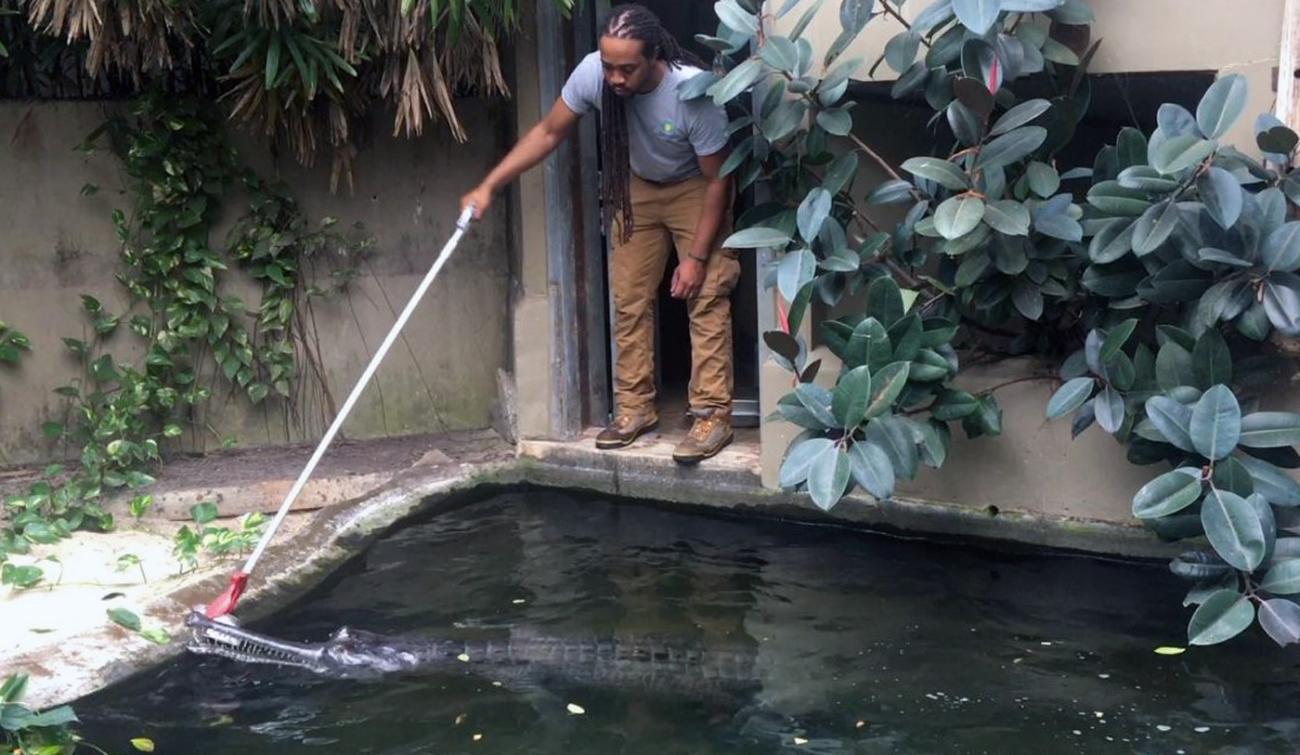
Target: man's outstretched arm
<point x="539" y="142"/>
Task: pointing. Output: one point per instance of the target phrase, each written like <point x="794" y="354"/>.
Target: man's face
<point x="626" y="66"/>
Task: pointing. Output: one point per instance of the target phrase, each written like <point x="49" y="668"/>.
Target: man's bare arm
<point x="539" y="142"/>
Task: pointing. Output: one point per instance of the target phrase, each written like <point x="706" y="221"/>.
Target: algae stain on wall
<point x="60" y="244"/>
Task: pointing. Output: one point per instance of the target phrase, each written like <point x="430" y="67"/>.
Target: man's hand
<point x="480" y="197"/>
<point x="688" y="279"/>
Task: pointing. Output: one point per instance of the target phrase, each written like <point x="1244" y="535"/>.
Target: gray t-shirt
<point x="664" y="134"/>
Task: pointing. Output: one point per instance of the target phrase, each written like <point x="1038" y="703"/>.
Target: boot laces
<point x="703" y="427"/>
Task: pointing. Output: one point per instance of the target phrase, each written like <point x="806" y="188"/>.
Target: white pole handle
<point x="462" y="225"/>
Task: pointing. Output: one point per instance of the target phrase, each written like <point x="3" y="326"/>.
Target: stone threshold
<point x="349" y="514"/>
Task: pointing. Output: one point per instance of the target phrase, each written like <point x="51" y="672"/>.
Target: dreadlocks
<point x="636" y="22"/>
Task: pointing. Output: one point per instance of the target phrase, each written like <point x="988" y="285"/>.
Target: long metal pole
<point x="462" y="225"/>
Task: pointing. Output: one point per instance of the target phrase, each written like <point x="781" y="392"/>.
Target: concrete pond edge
<point x="78" y="666"/>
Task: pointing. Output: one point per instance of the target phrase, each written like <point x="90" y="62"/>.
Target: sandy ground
<point x="85" y="578"/>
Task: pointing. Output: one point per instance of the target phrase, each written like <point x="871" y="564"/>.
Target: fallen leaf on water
<point x="156" y="636"/>
<point x="800" y="741"/>
<point x="576" y="710"/>
<point x="222" y="720"/>
<point x="477" y="737"/>
<point x="861" y="724"/>
<point x="143" y="744"/>
<point x="460" y="719"/>
<point x="518" y="601"/>
<point x="463" y="657"/>
<point x="1169" y="650"/>
<point x="124" y="618"/>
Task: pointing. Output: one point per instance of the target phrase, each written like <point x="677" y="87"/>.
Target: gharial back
<point x="638" y="663"/>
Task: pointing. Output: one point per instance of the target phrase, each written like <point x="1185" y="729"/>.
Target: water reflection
<point x="863" y="645"/>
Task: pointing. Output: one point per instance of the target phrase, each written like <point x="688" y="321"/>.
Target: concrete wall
<point x="1226" y="36"/>
<point x="58" y="244"/>
<point x="532" y="312"/>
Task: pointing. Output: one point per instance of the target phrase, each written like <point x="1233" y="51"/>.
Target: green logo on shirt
<point x="667" y="128"/>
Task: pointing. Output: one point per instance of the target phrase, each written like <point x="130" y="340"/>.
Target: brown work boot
<point x="625" y="429"/>
<point x="709" y="434"/>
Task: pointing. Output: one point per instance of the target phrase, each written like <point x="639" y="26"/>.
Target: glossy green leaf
<point x="1211" y="360"/>
<point x="758" y="237"/>
<point x="1154" y="227"/>
<point x="125" y="618"/>
<point x="740" y="78"/>
<point x="901" y="49"/>
<point x="1274" y="484"/>
<point x="1173" y="420"/>
<point x="1280" y="619"/>
<point x="795" y="271"/>
<point x="1043" y="179"/>
<point x="958" y="216"/>
<point x="1270" y="430"/>
<point x="1070" y="396"/>
<point x="1007" y="216"/>
<point x="799" y="457"/>
<point x="838" y="121"/>
<point x="1222" y="196"/>
<point x="1216" y="423"/>
<point x="828" y="477"/>
<point x="1058" y="226"/>
<point x="977" y="15"/>
<point x="1283" y="578"/>
<point x="817" y="401"/>
<point x="813" y="212"/>
<point x="885" y="301"/>
<point x="736" y="18"/>
<point x="841" y="173"/>
<point x="780" y="53"/>
<point x="940" y="171"/>
<point x="872" y="470"/>
<point x="1011" y="147"/>
<point x="1281" y="250"/>
<point x="1020" y="115"/>
<point x="894" y="436"/>
<point x="887" y="385"/>
<point x="1116" y="338"/>
<point x="1180" y="152"/>
<point x="1223" y="615"/>
<point x="1113" y="241"/>
<point x="1108" y="409"/>
<point x="1233" y="527"/>
<point x="953" y="405"/>
<point x="852" y="395"/>
<point x="1222" y="105"/>
<point x="1167" y="494"/>
<point x="1113" y="199"/>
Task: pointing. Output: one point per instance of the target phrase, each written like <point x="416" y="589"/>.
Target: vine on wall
<point x="198" y="339"/>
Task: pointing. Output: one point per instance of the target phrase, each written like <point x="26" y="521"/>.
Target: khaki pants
<point x="665" y="216"/>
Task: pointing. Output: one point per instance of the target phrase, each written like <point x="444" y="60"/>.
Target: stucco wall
<point x="58" y="244"/>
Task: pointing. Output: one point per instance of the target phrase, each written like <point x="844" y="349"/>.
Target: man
<point x="662" y="188"/>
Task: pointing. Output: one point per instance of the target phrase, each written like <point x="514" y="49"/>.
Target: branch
<point x="898" y="17"/>
<point x="1023" y="379"/>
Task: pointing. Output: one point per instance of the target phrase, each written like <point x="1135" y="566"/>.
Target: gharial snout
<point x="225" y="638"/>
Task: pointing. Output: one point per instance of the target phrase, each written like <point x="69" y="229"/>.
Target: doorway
<point x="672" y="339"/>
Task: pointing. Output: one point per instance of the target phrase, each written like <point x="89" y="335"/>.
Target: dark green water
<point x="865" y="644"/>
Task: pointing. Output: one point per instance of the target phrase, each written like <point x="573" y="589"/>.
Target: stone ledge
<point x="732" y="481"/>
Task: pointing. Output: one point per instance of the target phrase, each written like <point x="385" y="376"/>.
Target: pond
<point x="860" y="643"/>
